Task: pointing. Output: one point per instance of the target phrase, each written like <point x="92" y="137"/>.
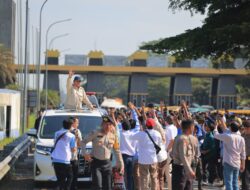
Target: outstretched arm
<point x="85" y="100"/>
<point x="69" y="83"/>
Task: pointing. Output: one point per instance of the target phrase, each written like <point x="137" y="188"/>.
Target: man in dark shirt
<point x="38" y="119"/>
<point x="246" y="173"/>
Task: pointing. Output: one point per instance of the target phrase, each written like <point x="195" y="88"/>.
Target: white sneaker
<point x="204" y="183"/>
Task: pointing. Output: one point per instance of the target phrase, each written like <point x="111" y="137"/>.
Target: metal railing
<point x="9" y="161"/>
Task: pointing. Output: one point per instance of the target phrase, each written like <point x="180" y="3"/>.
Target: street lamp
<point x="46" y="58"/>
<point x="56" y="37"/>
<point x="39" y="56"/>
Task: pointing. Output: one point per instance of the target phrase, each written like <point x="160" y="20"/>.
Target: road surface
<point x="21" y="178"/>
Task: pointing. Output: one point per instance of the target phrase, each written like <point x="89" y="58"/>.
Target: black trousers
<point x="74" y="164"/>
<point x="209" y="169"/>
<point x="246" y="176"/>
<point x="64" y="175"/>
<point x="198" y="172"/>
<point x="180" y="179"/>
<point x="101" y="174"/>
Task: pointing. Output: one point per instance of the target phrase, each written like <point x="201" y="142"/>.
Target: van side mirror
<point x="32" y="132"/>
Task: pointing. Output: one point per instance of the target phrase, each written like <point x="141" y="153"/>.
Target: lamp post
<point x="39" y="56"/>
<point x="55" y="38"/>
<point x="25" y="85"/>
<point x="46" y="58"/>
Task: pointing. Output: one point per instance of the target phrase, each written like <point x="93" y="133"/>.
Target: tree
<point x="225" y="32"/>
<point x="116" y="87"/>
<point x="12" y="86"/>
<point x="201" y="90"/>
<point x="53" y="98"/>
<point x="158" y="89"/>
<point x="7" y="72"/>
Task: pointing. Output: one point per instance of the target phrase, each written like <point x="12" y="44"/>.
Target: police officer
<point x="185" y="155"/>
<point x="104" y="141"/>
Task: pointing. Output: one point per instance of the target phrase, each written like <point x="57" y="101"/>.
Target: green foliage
<point x="158" y="89"/>
<point x="243" y="92"/>
<point x="116" y="87"/>
<point x="201" y="90"/>
<point x="12" y="86"/>
<point x="53" y="98"/>
<point x="32" y="119"/>
<point x="225" y="32"/>
<point x="5" y="142"/>
<point x="7" y="72"/>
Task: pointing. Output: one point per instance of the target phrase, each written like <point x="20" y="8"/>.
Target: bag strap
<point x="59" y="139"/>
<point x="151" y="138"/>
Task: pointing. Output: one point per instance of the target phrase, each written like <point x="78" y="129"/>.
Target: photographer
<point x="64" y="147"/>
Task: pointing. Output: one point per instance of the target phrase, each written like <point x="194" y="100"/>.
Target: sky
<point x="117" y="27"/>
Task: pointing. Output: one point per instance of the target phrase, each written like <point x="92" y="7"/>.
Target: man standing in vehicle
<point x="76" y="94"/>
<point x="104" y="141"/>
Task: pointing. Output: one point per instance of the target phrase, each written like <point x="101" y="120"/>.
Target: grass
<point x="31" y="123"/>
<point x="6" y="141"/>
<point x="32" y="120"/>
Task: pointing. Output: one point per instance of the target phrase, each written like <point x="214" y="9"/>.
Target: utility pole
<point x="25" y="88"/>
<point x="39" y="56"/>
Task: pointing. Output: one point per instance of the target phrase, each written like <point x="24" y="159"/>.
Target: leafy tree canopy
<point x="53" y="98"/>
<point x="224" y="33"/>
<point x="7" y="72"/>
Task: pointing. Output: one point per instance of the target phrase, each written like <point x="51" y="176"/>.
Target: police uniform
<point x="185" y="155"/>
<point x="101" y="166"/>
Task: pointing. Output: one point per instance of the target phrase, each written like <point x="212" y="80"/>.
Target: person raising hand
<point x="76" y="94"/>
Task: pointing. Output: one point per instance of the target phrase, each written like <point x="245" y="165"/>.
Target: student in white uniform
<point x="64" y="147"/>
<point x="74" y="161"/>
<point x="147" y="157"/>
<point x="171" y="133"/>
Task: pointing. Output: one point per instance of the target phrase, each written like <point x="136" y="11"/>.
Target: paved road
<point x="20" y="178"/>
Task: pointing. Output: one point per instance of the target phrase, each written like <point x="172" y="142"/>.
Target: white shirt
<point x="127" y="144"/>
<point x="162" y="155"/>
<point x="62" y="151"/>
<point x="75" y="154"/>
<point x="171" y="133"/>
<point x="233" y="148"/>
<point x="146" y="149"/>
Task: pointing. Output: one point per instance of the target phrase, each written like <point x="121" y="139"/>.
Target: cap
<point x="150" y="122"/>
<point x="77" y="78"/>
<point x="107" y="118"/>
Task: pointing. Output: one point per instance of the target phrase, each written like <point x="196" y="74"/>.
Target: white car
<point x="50" y="123"/>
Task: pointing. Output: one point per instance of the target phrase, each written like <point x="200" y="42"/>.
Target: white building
<point x="9" y="113"/>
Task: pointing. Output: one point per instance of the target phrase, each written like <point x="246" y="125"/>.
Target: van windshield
<point x="51" y="124"/>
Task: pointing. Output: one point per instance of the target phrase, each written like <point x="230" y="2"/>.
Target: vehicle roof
<point x="68" y="112"/>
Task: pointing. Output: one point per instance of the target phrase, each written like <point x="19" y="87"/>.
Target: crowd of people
<point x="154" y="146"/>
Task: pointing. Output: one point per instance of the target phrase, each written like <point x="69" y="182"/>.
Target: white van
<point x="50" y="123"/>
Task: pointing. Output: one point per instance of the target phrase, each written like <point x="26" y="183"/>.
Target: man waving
<point x="76" y="94"/>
